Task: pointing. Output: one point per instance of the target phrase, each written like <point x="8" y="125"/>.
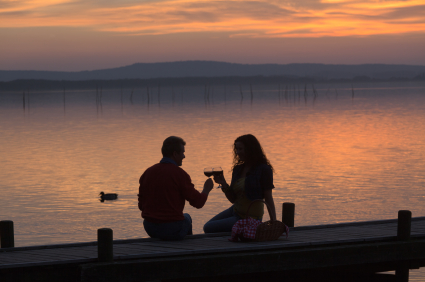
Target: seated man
<point x="163" y="190"/>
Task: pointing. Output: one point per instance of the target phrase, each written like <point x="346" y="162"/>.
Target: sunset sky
<point x="93" y="34"/>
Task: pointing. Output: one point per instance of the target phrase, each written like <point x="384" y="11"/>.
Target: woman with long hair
<point x="252" y="179"/>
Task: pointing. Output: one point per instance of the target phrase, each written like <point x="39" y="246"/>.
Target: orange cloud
<point x="262" y="18"/>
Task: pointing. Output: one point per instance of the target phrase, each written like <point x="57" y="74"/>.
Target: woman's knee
<point x="207" y="227"/>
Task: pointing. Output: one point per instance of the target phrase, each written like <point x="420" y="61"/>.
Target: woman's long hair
<point x="253" y="151"/>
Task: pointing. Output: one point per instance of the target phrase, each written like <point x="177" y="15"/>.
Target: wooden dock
<point x="349" y="247"/>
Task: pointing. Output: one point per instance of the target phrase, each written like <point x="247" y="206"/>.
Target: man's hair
<point x="172" y="144"/>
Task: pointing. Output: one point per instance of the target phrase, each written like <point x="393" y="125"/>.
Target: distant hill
<point x="222" y="69"/>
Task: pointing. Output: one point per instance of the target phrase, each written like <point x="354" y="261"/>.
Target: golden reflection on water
<point x="339" y="160"/>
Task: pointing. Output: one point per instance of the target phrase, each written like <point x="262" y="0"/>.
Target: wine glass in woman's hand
<point x="218" y="175"/>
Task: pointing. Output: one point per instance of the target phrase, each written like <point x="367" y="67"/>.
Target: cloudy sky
<point x="93" y="34"/>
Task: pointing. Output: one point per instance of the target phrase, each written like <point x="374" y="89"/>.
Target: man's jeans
<point x="170" y="231"/>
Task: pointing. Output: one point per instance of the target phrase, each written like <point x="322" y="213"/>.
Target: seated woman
<point x="252" y="179"/>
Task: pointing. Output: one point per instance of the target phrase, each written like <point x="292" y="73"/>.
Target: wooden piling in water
<point x="240" y="89"/>
<point x="286" y="94"/>
<point x="105" y="251"/>
<point x="278" y="95"/>
<point x="159" y="95"/>
<point x="23" y="100"/>
<point x="212" y="94"/>
<point x="7" y="239"/>
<point x="121" y="98"/>
<point x="288" y="214"/>
<point x="172" y="95"/>
<point x="404" y="225"/>
<point x="252" y="94"/>
<point x="299" y="94"/>
<point x="205" y="96"/>
<point x="131" y="96"/>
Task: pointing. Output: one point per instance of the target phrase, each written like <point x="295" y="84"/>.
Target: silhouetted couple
<point x="165" y="187"/>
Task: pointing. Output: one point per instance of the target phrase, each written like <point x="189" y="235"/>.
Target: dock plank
<point x="151" y="248"/>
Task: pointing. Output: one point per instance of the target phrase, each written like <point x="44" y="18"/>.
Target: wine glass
<point x="217" y="171"/>
<point x="208" y="171"/>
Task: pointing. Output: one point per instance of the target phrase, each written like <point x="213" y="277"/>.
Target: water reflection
<point x="339" y="159"/>
<point x="64" y="102"/>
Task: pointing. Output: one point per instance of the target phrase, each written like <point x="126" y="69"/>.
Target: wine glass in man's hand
<point x="208" y="171"/>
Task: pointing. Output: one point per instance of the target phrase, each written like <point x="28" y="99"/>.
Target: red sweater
<point x="163" y="190"/>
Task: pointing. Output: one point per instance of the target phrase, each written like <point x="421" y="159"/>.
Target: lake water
<point x="339" y="156"/>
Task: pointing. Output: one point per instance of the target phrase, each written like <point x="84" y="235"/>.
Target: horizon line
<point x="211" y="61"/>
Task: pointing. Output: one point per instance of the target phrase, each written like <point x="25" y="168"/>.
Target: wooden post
<point x="403" y="234"/>
<point x="288" y="214"/>
<point x="403" y="225"/>
<point x="105" y="251"/>
<point x="6" y="234"/>
<point x="402" y="272"/>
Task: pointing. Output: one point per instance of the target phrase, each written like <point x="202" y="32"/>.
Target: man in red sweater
<point x="163" y="190"/>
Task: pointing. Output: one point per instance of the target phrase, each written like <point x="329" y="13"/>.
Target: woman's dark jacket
<point x="258" y="179"/>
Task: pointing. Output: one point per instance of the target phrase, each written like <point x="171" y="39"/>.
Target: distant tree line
<point x="54" y="85"/>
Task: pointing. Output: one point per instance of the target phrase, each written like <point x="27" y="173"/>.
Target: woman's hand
<point x="220" y="179"/>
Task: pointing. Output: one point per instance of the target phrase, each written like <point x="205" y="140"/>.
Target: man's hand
<point x="208" y="186"/>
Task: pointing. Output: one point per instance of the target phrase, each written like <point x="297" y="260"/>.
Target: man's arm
<point x="193" y="196"/>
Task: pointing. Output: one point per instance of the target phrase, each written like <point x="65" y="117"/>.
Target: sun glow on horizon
<point x="79" y="35"/>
